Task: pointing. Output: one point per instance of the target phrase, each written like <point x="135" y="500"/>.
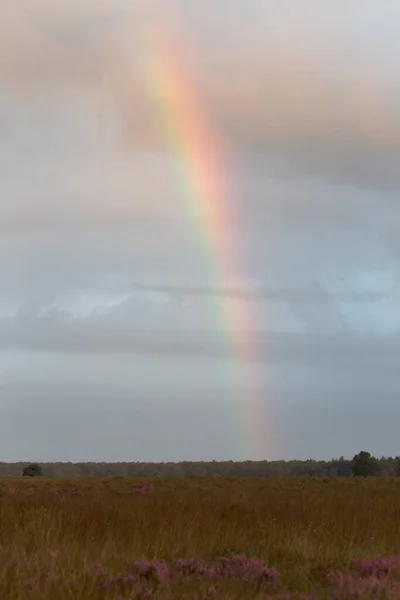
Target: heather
<point x="216" y="538"/>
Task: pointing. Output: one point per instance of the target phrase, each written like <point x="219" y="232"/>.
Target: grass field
<point x="122" y="538"/>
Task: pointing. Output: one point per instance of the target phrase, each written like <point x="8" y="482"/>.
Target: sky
<point x="123" y="334"/>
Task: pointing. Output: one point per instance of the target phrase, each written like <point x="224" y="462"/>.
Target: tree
<point x="397" y="466"/>
<point x="364" y="465"/>
<point x="343" y="467"/>
<point x="34" y="470"/>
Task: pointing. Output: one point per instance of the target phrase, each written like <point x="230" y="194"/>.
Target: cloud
<point x="315" y="294"/>
<point x="103" y="246"/>
<point x="156" y="319"/>
<point x="301" y="87"/>
<point x="352" y="356"/>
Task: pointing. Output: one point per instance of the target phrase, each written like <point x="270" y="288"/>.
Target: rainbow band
<point x="209" y="207"/>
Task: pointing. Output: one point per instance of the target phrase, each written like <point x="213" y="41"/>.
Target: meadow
<point x="122" y="539"/>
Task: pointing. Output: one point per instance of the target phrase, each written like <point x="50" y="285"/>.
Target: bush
<point x="34" y="470"/>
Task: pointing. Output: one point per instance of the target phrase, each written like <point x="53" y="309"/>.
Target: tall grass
<point x="52" y="532"/>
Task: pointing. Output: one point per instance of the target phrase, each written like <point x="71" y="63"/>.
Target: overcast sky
<point x="115" y="336"/>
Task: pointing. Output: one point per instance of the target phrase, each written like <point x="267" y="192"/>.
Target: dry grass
<point x="52" y="530"/>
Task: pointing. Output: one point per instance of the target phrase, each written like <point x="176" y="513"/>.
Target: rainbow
<point x="203" y="176"/>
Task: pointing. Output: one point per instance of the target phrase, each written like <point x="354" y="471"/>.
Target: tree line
<point x="362" y="464"/>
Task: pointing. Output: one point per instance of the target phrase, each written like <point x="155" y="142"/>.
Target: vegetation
<point x="339" y="467"/>
<point x="365" y="465"/>
<point x="227" y="538"/>
<point x="34" y="470"/>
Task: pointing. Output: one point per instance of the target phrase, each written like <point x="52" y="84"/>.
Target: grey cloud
<point x="121" y="407"/>
<point x="111" y="287"/>
<point x="136" y="433"/>
<point x="146" y="434"/>
<point x="273" y="84"/>
<point x="165" y="307"/>
<point x="56" y="330"/>
<point x="358" y="164"/>
<point x="316" y="294"/>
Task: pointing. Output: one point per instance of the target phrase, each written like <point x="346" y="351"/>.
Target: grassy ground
<point x="78" y="539"/>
